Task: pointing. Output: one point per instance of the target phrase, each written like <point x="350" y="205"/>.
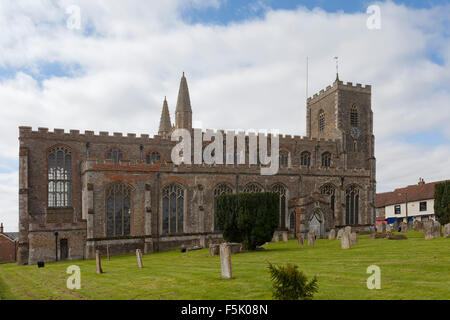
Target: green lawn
<point x="410" y="269"/>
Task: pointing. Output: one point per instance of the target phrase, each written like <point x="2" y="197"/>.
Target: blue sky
<point x="246" y="57"/>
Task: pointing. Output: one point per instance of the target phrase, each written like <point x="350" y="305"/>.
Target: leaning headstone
<point x="447" y="230"/>
<point x="340" y="233"/>
<point x="301" y="238"/>
<point x="139" y="258"/>
<point x="225" y="260"/>
<point x="214" y="249"/>
<point x="345" y="241"/>
<point x="381" y="227"/>
<point x="285" y="236"/>
<point x="353" y="238"/>
<point x="404" y="227"/>
<point x="311" y="238"/>
<point x="332" y="234"/>
<point x="98" y="262"/>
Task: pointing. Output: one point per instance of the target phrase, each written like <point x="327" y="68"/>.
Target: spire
<point x="183" y="111"/>
<point x="164" y="124"/>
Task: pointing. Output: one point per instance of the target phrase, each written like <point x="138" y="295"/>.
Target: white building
<point x="414" y="202"/>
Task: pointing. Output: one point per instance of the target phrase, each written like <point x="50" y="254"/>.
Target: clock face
<point x="355" y="133"/>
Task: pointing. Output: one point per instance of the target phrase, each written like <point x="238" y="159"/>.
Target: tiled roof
<point x="12" y="235"/>
<point x="414" y="193"/>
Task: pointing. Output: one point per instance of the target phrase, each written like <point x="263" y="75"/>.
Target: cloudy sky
<point x="244" y="61"/>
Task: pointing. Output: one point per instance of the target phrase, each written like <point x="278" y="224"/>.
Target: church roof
<point x="165" y="124"/>
<point x="11" y="235"/>
<point x="183" y="102"/>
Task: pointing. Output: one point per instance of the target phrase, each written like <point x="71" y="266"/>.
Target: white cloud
<point x="243" y="75"/>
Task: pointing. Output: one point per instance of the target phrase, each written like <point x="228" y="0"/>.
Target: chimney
<point x="1" y="227"/>
<point x="421" y="181"/>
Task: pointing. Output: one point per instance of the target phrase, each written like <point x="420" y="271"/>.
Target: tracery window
<point x="352" y="205"/>
<point x="252" y="188"/>
<point x="326" y="159"/>
<point x="321" y="121"/>
<point x="281" y="190"/>
<point x="173" y="209"/>
<point x="329" y="190"/>
<point x="59" y="177"/>
<point x="354" y="116"/>
<point x="305" y="158"/>
<point x="118" y="210"/>
<point x="152" y="157"/>
<point x="292" y="221"/>
<point x="219" y="190"/>
<point x="114" y="154"/>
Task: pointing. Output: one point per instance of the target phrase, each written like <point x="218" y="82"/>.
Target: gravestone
<point x="345" y="240"/>
<point x="388" y="228"/>
<point x="235" y="247"/>
<point x="225" y="260"/>
<point x="139" y="258"/>
<point x="311" y="238"/>
<point x="348" y="229"/>
<point x="381" y="227"/>
<point x="340" y="233"/>
<point x="98" y="262"/>
<point x="214" y="249"/>
<point x="301" y="238"/>
<point x="353" y="238"/>
<point x="447" y="230"/>
<point x="404" y="227"/>
<point x="395" y="226"/>
<point x="418" y="225"/>
<point x="332" y="235"/>
<point x="276" y="237"/>
<point x="285" y="236"/>
<point x="432" y="229"/>
<point x="437" y="229"/>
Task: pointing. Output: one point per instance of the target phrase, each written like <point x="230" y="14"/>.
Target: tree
<point x="289" y="283"/>
<point x="250" y="218"/>
<point x="442" y="202"/>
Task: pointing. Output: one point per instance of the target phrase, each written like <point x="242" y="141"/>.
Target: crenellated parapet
<point x="341" y="86"/>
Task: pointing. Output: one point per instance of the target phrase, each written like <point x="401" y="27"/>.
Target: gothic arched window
<point x="354" y="116"/>
<point x="172" y="209"/>
<point x="252" y="188"/>
<point x="326" y="159"/>
<point x="305" y="158"/>
<point x="321" y="121"/>
<point x="59" y="177"/>
<point x="153" y="157"/>
<point x="114" y="154"/>
<point x="284" y="159"/>
<point x="329" y="190"/>
<point x="352" y="205"/>
<point x="292" y="221"/>
<point x="219" y="190"/>
<point x="118" y="210"/>
<point x="281" y="190"/>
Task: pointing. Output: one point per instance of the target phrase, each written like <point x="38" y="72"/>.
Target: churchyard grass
<point x="410" y="269"/>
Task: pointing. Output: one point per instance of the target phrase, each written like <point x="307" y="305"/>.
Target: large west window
<point x="59" y="179"/>
<point x="172" y="209"/>
<point x="352" y="205"/>
<point x="118" y="210"/>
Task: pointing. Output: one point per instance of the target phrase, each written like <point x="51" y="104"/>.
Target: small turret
<point x="165" y="125"/>
<point x="183" y="111"/>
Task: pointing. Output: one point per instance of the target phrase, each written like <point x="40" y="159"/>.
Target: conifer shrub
<point x="442" y="202"/>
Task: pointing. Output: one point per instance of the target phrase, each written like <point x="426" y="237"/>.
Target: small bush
<point x="289" y="283"/>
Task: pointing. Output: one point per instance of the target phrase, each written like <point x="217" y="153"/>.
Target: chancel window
<point x="305" y="158"/>
<point x="321" y="121"/>
<point x="326" y="159"/>
<point x="329" y="190"/>
<point x="352" y="205"/>
<point x="219" y="190"/>
<point x="172" y="209"/>
<point x="153" y="157"/>
<point x="59" y="179"/>
<point x="354" y="116"/>
<point x="118" y="210"/>
<point x="114" y="154"/>
<point x="281" y="190"/>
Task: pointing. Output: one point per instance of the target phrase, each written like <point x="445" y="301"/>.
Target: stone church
<point x="81" y="192"/>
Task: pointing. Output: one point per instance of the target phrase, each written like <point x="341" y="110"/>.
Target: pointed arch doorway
<point x="316" y="223"/>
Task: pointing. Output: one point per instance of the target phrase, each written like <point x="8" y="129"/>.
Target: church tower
<point x="183" y="112"/>
<point x="165" y="126"/>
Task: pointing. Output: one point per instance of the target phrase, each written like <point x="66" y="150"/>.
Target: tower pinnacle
<point x="164" y="124"/>
<point x="183" y="111"/>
